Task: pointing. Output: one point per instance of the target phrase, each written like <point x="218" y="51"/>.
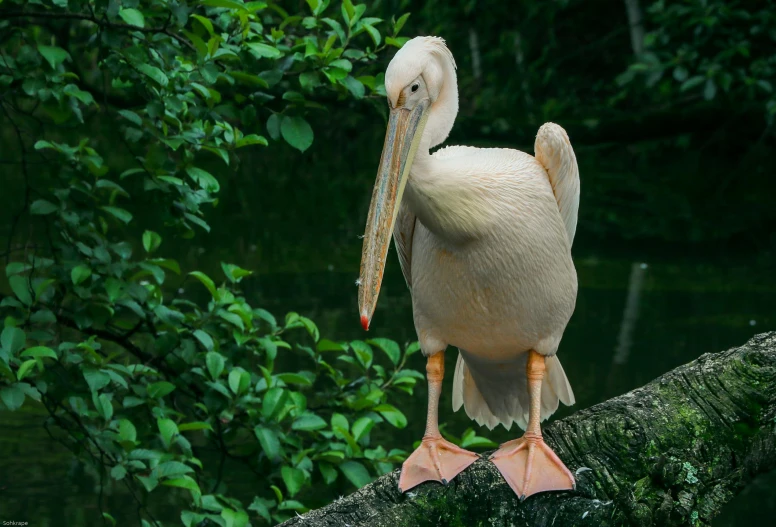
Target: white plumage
<point x="484" y="241"/>
<point x="484" y="238"/>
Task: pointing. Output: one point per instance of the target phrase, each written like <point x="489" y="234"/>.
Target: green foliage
<point x="142" y="367"/>
<point x="704" y="50"/>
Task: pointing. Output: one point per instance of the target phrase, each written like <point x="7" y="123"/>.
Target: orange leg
<point x="527" y="463"/>
<point x="436" y="459"/>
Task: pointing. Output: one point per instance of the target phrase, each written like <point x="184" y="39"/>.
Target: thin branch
<point x="124" y="342"/>
<point x="99" y="22"/>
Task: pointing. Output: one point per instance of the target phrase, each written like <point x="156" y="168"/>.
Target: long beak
<point x="405" y="128"/>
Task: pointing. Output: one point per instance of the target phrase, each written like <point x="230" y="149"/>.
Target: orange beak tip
<point x="365" y="322"/>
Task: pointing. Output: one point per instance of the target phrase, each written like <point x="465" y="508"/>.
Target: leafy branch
<point x="102" y="22"/>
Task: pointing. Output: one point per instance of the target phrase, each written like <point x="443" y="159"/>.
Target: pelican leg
<point x="436" y="459"/>
<point x="528" y="464"/>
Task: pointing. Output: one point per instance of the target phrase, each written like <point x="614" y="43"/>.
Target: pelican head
<point x="423" y="102"/>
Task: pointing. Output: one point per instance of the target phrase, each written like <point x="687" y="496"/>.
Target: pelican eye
<point x="415" y="87"/>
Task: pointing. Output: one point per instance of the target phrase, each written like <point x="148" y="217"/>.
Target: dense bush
<point x="144" y="367"/>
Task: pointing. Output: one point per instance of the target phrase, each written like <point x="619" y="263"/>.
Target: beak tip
<point x="365" y="322"/>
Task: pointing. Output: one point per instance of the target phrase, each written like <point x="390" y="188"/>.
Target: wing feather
<point x="553" y="150"/>
<point x="402" y="238"/>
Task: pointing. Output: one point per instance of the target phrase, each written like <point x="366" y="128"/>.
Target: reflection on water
<point x="632" y="323"/>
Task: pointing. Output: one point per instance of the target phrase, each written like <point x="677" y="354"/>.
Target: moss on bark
<point x="670" y="453"/>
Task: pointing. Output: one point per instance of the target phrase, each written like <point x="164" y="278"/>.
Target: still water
<point x="637" y="316"/>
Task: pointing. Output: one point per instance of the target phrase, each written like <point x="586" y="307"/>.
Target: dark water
<point x="635" y="319"/>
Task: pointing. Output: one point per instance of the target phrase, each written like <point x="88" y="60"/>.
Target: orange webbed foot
<point x="436" y="459"/>
<point x="530" y="466"/>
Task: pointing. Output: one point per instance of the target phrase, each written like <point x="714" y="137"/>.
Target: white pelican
<point x="484" y="240"/>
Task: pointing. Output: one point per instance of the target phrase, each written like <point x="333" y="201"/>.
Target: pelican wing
<point x="553" y="150"/>
<point x="402" y="237"/>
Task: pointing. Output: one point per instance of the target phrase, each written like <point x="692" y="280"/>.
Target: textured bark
<point x="670" y="453"/>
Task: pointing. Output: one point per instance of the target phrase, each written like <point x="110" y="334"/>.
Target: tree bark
<point x="669" y="453"/>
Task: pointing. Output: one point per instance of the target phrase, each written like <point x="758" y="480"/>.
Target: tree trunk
<point x="670" y="453"/>
<point x="636" y="26"/>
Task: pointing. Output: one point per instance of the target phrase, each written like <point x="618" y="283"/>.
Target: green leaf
<point x="710" y="89"/>
<point x="389" y="347"/>
<point x="400" y="23"/>
<point x="328" y="472"/>
<point x="260" y="506"/>
<point x="25" y="368"/>
<point x="291" y="505"/>
<point x="154" y="73"/>
<point x="206" y="281"/>
<point x="118" y="473"/>
<point x="328" y="345"/>
<point x="54" y="55"/>
<point x="151" y="241"/>
<point x="470" y="439"/>
<point x="308" y="422"/>
<point x="229" y="4"/>
<point x="103" y="405"/>
<point x="361" y="427"/>
<point x="293" y="478"/>
<point x="167" y="429"/>
<point x="239" y="380"/>
<point x="206" y="23"/>
<point x="355" y="472"/>
<point x="79" y="274"/>
<point x="149" y="483"/>
<point x="691" y="83"/>
<point x="354" y="87"/>
<point x="260" y="50"/>
<point x="273" y="126"/>
<point x="204" y="339"/>
<point x="374" y="33"/>
<point x="20" y="285"/>
<point x="41" y="207"/>
<point x="340" y="421"/>
<point x="294" y="378"/>
<point x="120" y="214"/>
<point x="132" y="17"/>
<point x="186" y="482"/>
<point x="234" y="518"/>
<point x="232" y="318"/>
<point x="363" y="353"/>
<point x="269" y="442"/>
<point x="397" y="42"/>
<point x="12" y="397"/>
<point x="392" y="415"/>
<point x="167" y="263"/>
<point x="274" y="399"/>
<point x="12" y="339"/>
<point x="252" y="139"/>
<point x="16" y="268"/>
<point x="297" y="132"/>
<point x="134" y="118"/>
<point x="234" y="273"/>
<point x="95" y="379"/>
<point x="39" y="351"/>
<point x="160" y="389"/>
<point x="172" y="469"/>
<point x="204" y="179"/>
<point x="215" y="364"/>
<point x="195" y="425"/>
<point x="412" y="348"/>
<point x="127" y="431"/>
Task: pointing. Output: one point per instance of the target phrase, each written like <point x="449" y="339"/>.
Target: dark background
<point x="677" y="205"/>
